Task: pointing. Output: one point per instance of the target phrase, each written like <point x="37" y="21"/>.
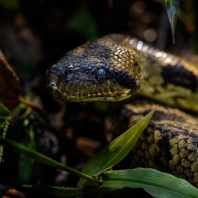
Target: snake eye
<point x="101" y="73"/>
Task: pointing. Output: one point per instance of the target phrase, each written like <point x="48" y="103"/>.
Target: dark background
<point x="35" y="34"/>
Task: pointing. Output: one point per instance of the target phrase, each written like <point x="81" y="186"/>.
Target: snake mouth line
<point x="80" y="91"/>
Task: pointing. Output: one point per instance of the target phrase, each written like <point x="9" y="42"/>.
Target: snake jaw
<point x="84" y="90"/>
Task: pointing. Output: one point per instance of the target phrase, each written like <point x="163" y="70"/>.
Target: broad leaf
<point x="156" y="183"/>
<point x="115" y="151"/>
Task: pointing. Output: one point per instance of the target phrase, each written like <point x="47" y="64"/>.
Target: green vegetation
<point x="156" y="183"/>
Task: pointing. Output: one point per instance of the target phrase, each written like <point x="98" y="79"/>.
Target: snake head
<point x="99" y="70"/>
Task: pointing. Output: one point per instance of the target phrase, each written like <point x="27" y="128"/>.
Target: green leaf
<point x="24" y="150"/>
<point x="156" y="183"/>
<point x="115" y="151"/>
<point x="4" y="122"/>
<point x="172" y="10"/>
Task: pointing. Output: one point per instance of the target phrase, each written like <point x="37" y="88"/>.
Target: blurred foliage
<point x="27" y="67"/>
<point x="83" y="23"/>
<point x="188" y="16"/>
<point x="12" y="4"/>
<point x="172" y="10"/>
<point x="4" y="122"/>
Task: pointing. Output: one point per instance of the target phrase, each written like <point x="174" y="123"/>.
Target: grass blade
<point x="24" y="150"/>
<point x="115" y="151"/>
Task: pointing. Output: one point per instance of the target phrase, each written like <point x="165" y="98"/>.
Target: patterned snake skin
<point x="114" y="67"/>
<point x="169" y="142"/>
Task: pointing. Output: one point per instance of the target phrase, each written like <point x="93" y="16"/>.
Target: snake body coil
<point x="114" y="67"/>
<point x="169" y="142"/>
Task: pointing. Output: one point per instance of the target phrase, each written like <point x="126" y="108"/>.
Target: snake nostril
<point x="53" y="85"/>
<point x="52" y="79"/>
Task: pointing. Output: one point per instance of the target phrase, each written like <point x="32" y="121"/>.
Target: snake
<point x="115" y="67"/>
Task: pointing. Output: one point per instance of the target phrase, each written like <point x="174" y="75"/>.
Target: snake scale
<point x="116" y="66"/>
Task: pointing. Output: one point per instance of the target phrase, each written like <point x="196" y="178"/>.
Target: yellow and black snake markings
<point x="169" y="143"/>
<point x="114" y="67"/>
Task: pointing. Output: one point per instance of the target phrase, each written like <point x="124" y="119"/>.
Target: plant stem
<point x="19" y="148"/>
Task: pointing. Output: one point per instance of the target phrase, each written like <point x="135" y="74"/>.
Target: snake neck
<point x="168" y="79"/>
